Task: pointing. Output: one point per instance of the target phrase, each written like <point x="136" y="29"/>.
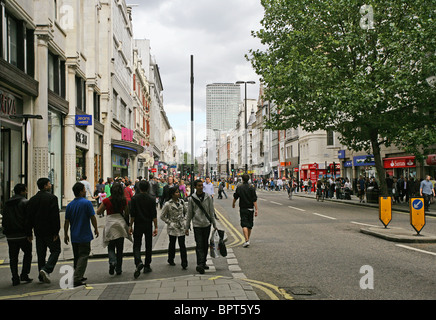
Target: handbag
<point x="221" y="244"/>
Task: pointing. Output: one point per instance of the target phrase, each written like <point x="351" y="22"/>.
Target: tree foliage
<point x="359" y="68"/>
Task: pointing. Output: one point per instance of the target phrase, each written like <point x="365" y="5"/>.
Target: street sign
<point x="385" y="210"/>
<point x="417" y="215"/>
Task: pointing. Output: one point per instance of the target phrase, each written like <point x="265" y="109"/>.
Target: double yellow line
<point x="238" y="239"/>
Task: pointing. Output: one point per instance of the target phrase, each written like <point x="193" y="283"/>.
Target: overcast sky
<point x="217" y="33"/>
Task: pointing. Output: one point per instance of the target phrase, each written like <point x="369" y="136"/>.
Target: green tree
<point x="359" y="68"/>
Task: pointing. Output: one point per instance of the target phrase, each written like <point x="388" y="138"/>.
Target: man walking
<point x="43" y="214"/>
<point x="14" y="228"/>
<point x="201" y="213"/>
<point x="247" y="207"/>
<point x="426" y="190"/>
<point x="143" y="215"/>
<point x="79" y="213"/>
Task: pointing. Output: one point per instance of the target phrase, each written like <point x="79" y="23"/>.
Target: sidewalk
<point x="208" y="286"/>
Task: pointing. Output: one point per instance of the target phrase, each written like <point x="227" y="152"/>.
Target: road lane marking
<point x="276" y="203"/>
<point x="262" y="285"/>
<point x="365" y="224"/>
<point x="415" y="249"/>
<point x="296" y="208"/>
<point x="321" y="215"/>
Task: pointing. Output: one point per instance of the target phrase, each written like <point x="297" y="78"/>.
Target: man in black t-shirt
<point x="247" y="207"/>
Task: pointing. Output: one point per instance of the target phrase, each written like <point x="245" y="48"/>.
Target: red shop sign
<point x="400" y="162"/>
<point x="431" y="160"/>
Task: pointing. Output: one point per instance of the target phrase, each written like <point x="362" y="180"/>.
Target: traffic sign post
<point x="385" y="210"/>
<point x="417" y="215"/>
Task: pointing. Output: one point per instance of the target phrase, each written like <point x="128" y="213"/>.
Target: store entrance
<point x="10" y="163"/>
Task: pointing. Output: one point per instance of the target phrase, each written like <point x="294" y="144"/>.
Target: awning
<point x="399" y="162"/>
<point x="127" y="147"/>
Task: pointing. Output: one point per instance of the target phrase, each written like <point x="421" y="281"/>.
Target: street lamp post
<point x="245" y="118"/>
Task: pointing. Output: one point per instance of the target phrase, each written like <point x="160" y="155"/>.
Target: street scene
<point x="224" y="151"/>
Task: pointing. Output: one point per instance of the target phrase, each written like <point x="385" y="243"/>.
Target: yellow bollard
<point x="385" y="210"/>
<point x="417" y="215"/>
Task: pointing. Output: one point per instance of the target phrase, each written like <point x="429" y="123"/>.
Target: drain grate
<point x="302" y="292"/>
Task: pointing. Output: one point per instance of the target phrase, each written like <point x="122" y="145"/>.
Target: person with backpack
<point x="174" y="215"/>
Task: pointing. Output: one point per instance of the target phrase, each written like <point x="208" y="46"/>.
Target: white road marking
<point x="419" y="250"/>
<point x="276" y="203"/>
<point x="321" y="215"/>
<point x="296" y="208"/>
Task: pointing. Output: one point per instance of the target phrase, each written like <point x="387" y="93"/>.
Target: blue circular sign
<point x="417" y="204"/>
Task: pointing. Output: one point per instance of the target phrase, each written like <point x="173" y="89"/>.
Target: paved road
<point x="315" y="250"/>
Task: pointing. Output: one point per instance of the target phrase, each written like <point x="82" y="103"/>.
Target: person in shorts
<point x="247" y="207"/>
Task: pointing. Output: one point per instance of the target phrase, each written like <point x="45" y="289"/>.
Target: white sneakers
<point x="44" y="277"/>
<point x="246" y="244"/>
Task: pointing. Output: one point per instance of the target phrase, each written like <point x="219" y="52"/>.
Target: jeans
<point x="172" y="250"/>
<point x="139" y="231"/>
<point x="201" y="236"/>
<point x="116" y="259"/>
<point x="81" y="253"/>
<point x="42" y="243"/>
<point x="14" y="250"/>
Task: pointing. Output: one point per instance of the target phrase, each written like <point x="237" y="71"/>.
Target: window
<point x="330" y="138"/>
<point x="56" y="74"/>
<point x="115" y="105"/>
<point x="16" y="42"/>
<point x="80" y="94"/>
<point x="96" y="106"/>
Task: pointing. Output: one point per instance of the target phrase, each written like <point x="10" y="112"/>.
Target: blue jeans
<point x="42" y="243"/>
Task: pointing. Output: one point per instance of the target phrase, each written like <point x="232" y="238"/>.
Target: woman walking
<point x="174" y="215"/>
<point x="116" y="228"/>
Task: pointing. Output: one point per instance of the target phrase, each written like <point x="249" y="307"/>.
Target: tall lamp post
<point x="245" y="118"/>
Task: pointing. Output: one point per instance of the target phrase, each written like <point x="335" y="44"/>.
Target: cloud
<point x="216" y="33"/>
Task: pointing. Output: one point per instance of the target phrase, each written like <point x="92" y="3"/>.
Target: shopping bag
<point x="214" y="244"/>
<point x="221" y="245"/>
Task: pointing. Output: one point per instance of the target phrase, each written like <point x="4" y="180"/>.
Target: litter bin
<point x="372" y="195"/>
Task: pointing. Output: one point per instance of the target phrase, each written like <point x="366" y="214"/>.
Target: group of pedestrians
<point x="131" y="214"/>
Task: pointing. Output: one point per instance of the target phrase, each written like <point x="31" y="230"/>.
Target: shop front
<point x="124" y="156"/>
<point x="11" y="148"/>
<point x="364" y="166"/>
<point x="431" y="166"/>
<point x="400" y="166"/>
<point x="82" y="148"/>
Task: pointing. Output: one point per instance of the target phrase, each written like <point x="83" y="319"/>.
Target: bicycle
<point x="320" y="194"/>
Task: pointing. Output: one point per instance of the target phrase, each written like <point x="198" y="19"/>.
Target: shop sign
<point x="9" y="104"/>
<point x="367" y="160"/>
<point x="295" y="169"/>
<point x="431" y="160"/>
<point x="83" y="120"/>
<point x="390" y="163"/>
<point x="126" y="134"/>
<point x="82" y="139"/>
<point x="341" y="154"/>
<point x="348" y="164"/>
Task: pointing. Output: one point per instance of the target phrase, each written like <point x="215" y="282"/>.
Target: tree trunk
<point x="379" y="164"/>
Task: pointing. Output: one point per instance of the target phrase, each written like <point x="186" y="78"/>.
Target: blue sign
<point x="417" y="204"/>
<point x="348" y="164"/>
<point x="364" y="160"/>
<point x="341" y="154"/>
<point x="83" y="120"/>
